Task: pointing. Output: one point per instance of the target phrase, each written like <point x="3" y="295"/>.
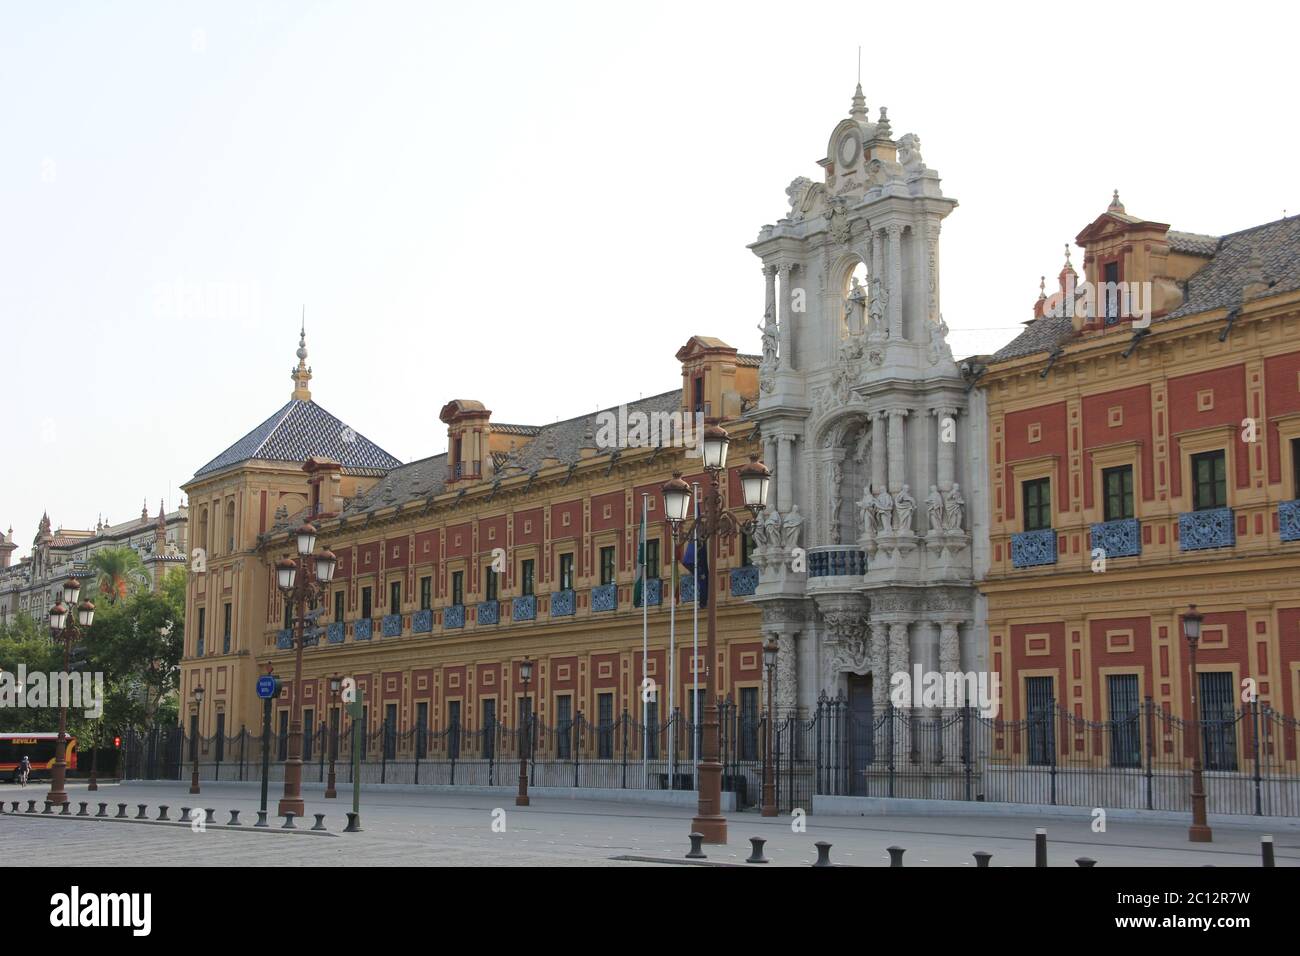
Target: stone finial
<point x="302" y="374"/>
<point x="144" y="510"/>
<point x="882" y="125"/>
<point x="859" y="108"/>
<point x="1115" y="204"/>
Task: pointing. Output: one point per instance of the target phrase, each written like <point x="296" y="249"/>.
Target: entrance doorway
<point x="858" y="731"/>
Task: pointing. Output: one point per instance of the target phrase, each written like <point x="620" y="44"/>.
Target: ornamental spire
<point x="859" y="108"/>
<point x="302" y="374"/>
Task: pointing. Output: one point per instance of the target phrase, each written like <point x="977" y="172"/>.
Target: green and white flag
<point x="638" y="591"/>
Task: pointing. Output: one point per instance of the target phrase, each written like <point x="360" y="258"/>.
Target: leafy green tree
<point x="120" y="571"/>
<point x="24" y="642"/>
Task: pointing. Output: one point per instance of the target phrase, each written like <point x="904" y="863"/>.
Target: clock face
<point x="848" y="149"/>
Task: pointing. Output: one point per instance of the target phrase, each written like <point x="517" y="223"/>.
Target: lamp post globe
<point x="755" y="478"/>
<point x="716" y="441"/>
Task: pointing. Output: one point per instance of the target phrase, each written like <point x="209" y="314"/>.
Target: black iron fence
<point x="1142" y="761"/>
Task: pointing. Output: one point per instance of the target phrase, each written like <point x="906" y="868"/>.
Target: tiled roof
<point x="301" y="430"/>
<point x="1216" y="285"/>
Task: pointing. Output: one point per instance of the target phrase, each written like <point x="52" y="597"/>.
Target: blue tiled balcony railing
<point x="489" y="612"/>
<point x="524" y="608"/>
<point x="744" y="581"/>
<point x="1118" y="539"/>
<point x="334" y="632"/>
<point x="1030" y="549"/>
<point x="687" y="588"/>
<point x="454" y="616"/>
<point x="392" y="626"/>
<point x="363" y="629"/>
<point x="654" y="593"/>
<point x="1212" y="528"/>
<point x="563" y="603"/>
<point x="422" y="621"/>
<point x="828" y="562"/>
<point x="1288" y="520"/>
<point x="284" y="639"/>
<point x="604" y="597"/>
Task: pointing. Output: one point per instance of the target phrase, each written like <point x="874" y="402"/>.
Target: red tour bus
<point x="40" y="749"/>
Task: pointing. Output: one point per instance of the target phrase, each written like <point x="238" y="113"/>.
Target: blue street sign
<point x="267" y="686"/>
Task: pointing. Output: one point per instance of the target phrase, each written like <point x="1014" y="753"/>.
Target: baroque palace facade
<point x="417" y="614"/>
<point x="1145" y="460"/>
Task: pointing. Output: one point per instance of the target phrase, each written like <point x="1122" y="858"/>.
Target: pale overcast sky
<point x="534" y="205"/>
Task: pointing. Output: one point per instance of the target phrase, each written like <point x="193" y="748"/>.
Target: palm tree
<point x="119" y="569"/>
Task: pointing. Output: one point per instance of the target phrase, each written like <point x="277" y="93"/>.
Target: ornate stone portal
<point x="867" y="428"/>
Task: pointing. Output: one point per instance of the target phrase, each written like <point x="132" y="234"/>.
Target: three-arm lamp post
<point x="301" y="582"/>
<point x="714" y="523"/>
<point x="335" y="683"/>
<point x="194" y="744"/>
<point x="61" y="628"/>
<point x="1199" y="831"/>
<point x="770" y="650"/>
<point x="526" y="675"/>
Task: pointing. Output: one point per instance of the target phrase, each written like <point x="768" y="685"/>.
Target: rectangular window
<point x="308" y="732"/>
<point x="365" y="602"/>
<point x="489" y="728"/>
<point x="747" y="732"/>
<point x="489" y="584"/>
<point x="746" y="550"/>
<point x="652" y="558"/>
<point x="652" y="726"/>
<point x="1295" y="467"/>
<point x="453" y="729"/>
<point x="1110" y="296"/>
<point x="563" y="727"/>
<point x="338" y="605"/>
<point x="605" y="735"/>
<point x="288" y="616"/>
<point x="527" y="577"/>
<point x="426" y="593"/>
<point x="1037" y="495"/>
<point x="421" y="729"/>
<point x="1040" y="711"/>
<point x="1218" y="720"/>
<point x="225" y="630"/>
<point x="566" y="572"/>
<point x="1125" y="733"/>
<point x="221" y="736"/>
<point x="395" y="597"/>
<point x="1209" y="480"/>
<point x="1117" y="484"/>
<point x="458" y="587"/>
<point x="203" y="614"/>
<point x="390" y="731"/>
<point x="607" y="565"/>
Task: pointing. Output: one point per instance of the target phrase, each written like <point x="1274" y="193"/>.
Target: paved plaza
<point x="457" y="829"/>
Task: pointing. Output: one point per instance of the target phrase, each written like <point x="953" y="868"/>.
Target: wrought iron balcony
<point x="604" y="597"/>
<point x="653" y="592"/>
<point x="363" y="629"/>
<point x="1118" y="539"/>
<point x="1031" y="549"/>
<point x="334" y="632"/>
<point x="687" y="588"/>
<point x="524" y="608"/>
<point x="489" y="612"/>
<point x="454" y="616"/>
<point x="392" y="626"/>
<point x="1212" y="528"/>
<point x="422" y="621"/>
<point x="563" y="603"/>
<point x="744" y="581"/>
<point x="1288" y="520"/>
<point x="284" y="639"/>
<point x="833" y="561"/>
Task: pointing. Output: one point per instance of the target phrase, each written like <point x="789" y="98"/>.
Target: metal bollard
<point x="211" y="816"/>
<point x="49" y="808"/>
<point x="1085" y="861"/>
<point x="121" y="812"/>
<point x="31" y="806"/>
<point x="261" y="819"/>
<point x="823" y="853"/>
<point x="1040" y="846"/>
<point x="143" y="813"/>
<point x="66" y="810"/>
<point x="103" y="810"/>
<point x="288" y="822"/>
<point x="756" y="856"/>
<point x="81" y="809"/>
<point x="320" y="821"/>
<point x="982" y="858"/>
<point x="354" y="823"/>
<point x="234" y="819"/>
<point x="697" y="853"/>
<point x="162" y="812"/>
<point x="14" y="807"/>
<point x="185" y="814"/>
<point x="895" y="855"/>
<point x="1266" y="850"/>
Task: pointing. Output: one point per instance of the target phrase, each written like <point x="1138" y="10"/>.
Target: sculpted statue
<point x="954" y="506"/>
<point x="867" y="511"/>
<point x="885" y="510"/>
<point x="855" y="307"/>
<point x="909" y="151"/>
<point x="796" y="192"/>
<point x="905" y="507"/>
<point x="878" y="328"/>
<point x="773" y="529"/>
<point x="934" y="505"/>
<point x="863" y="446"/>
<point x="768" y="328"/>
<point x="790" y="526"/>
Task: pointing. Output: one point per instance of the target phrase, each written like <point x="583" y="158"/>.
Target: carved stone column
<point x="880" y="678"/>
<point x="949" y="647"/>
<point x="787" y="676"/>
<point x="877" y="450"/>
<point x="897" y="449"/>
<point x="900" y="662"/>
<point x="947" y="450"/>
<point x="785" y="333"/>
<point x="895" y="282"/>
<point x="784" y="472"/>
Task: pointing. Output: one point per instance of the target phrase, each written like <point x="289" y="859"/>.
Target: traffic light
<point x="117" y="743"/>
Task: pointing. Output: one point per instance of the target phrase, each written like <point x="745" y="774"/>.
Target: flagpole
<point x="695" y="636"/>
<point x="672" y="663"/>
<point x="645" y="649"/>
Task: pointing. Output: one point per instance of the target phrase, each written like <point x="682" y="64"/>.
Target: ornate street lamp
<point x="770" y="650"/>
<point x="301" y="581"/>
<point x="336" y="683"/>
<point x="526" y="675"/>
<point x="69" y="632"/>
<point x="713" y="524"/>
<point x="194" y="744"/>
<point x="1199" y="831"/>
